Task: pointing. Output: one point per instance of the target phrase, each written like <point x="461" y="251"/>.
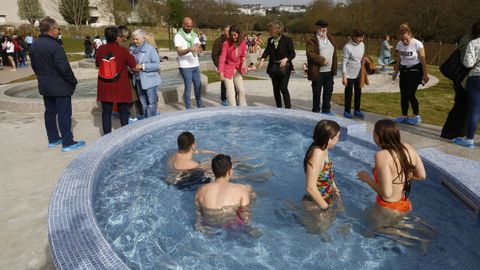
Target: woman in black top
<point x="280" y="52"/>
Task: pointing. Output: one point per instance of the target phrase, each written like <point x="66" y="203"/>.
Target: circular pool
<point x="25" y="98"/>
<point x="87" y="88"/>
<point x="112" y="209"/>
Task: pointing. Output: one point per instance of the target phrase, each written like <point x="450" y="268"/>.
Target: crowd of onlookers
<point x="15" y="50"/>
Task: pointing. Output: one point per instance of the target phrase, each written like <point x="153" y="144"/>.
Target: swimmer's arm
<point x="245" y="212"/>
<point x="204" y="151"/>
<point x="384" y="186"/>
<point x="198" y="214"/>
<point x="419" y="172"/>
<point x="313" y="169"/>
<point x="335" y="188"/>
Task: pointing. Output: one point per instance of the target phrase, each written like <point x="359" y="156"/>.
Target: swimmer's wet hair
<point x="323" y="132"/>
<point x="185" y="141"/>
<point x="221" y="164"/>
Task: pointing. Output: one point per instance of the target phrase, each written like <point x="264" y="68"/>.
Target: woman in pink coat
<point x="231" y="66"/>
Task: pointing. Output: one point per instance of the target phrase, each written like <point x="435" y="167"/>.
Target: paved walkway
<point x="30" y="170"/>
<point x="7" y="76"/>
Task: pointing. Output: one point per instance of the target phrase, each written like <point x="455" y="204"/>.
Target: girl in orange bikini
<point x="396" y="165"/>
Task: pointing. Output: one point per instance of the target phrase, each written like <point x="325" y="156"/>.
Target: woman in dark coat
<point x="280" y="52"/>
<point x="118" y="91"/>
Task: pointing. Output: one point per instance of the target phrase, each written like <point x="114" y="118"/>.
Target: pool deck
<point x="30" y="170"/>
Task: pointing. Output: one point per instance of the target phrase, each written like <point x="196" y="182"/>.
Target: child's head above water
<point x="185" y="141"/>
<point x="325" y="130"/>
<point x="221" y="164"/>
<point x="325" y="136"/>
<point x="386" y="134"/>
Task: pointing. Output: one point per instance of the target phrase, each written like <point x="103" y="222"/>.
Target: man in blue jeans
<point x="56" y="83"/>
<point x="188" y="47"/>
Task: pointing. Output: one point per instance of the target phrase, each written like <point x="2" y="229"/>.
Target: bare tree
<point x="75" y="12"/>
<point x="152" y="12"/>
<point x="30" y="10"/>
<point x="121" y="10"/>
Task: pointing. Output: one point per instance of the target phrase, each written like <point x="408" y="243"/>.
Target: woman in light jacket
<point x="231" y="66"/>
<point x="147" y="78"/>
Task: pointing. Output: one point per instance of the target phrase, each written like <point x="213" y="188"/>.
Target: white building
<point x="292" y="8"/>
<point x="9" y="13"/>
<point x="253" y="9"/>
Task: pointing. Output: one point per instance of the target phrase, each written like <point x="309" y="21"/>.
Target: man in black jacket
<point x="216" y="51"/>
<point x="56" y="83"/>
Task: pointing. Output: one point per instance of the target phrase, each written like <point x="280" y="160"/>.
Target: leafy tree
<point x="176" y="10"/>
<point x="75" y="12"/>
<point x="30" y="10"/>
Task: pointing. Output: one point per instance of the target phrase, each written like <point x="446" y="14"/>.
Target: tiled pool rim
<point x="76" y="241"/>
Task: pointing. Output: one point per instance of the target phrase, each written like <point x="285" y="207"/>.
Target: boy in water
<point x="221" y="203"/>
<point x="183" y="160"/>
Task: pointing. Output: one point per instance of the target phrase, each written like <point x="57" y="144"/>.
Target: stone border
<point x="80" y="105"/>
<point x="75" y="240"/>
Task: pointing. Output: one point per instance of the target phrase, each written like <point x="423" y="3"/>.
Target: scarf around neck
<point x="275" y="41"/>
<point x="189" y="39"/>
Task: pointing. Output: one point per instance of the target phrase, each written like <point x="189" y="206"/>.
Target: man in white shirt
<point x="188" y="47"/>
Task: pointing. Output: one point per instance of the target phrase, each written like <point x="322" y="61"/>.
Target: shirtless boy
<point x="183" y="160"/>
<point x="221" y="203"/>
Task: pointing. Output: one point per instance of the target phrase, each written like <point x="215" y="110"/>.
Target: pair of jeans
<point x="353" y="84"/>
<point x="148" y="98"/>
<point x="235" y="88"/>
<point x="280" y="88"/>
<point x="473" y="95"/>
<point x="410" y="78"/>
<point x="456" y="123"/>
<point x="107" y="108"/>
<point x="192" y="75"/>
<point x="58" y="109"/>
<point x="325" y="81"/>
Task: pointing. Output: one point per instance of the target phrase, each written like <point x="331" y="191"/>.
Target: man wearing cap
<point x="322" y="66"/>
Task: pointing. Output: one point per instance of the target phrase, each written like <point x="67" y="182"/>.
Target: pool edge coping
<point x="73" y="182"/>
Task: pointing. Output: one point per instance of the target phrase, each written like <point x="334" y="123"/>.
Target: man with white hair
<point x="188" y="47"/>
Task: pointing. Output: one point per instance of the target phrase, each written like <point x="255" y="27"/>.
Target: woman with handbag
<point x="280" y="52"/>
<point x="231" y="66"/>
<point x="116" y="90"/>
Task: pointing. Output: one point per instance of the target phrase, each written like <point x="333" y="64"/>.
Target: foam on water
<point x="150" y="223"/>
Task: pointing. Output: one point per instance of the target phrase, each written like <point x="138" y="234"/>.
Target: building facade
<point x="9" y="13"/>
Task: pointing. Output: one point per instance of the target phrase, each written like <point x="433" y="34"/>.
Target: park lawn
<point x="75" y="57"/>
<point x="73" y="45"/>
<point x="435" y="102"/>
<point x="213" y="76"/>
<point x="25" y="79"/>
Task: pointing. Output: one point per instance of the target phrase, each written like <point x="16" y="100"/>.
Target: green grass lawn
<point x="75" y="57"/>
<point x="73" y="45"/>
<point x="213" y="76"/>
<point x="435" y="102"/>
<point x="25" y="79"/>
